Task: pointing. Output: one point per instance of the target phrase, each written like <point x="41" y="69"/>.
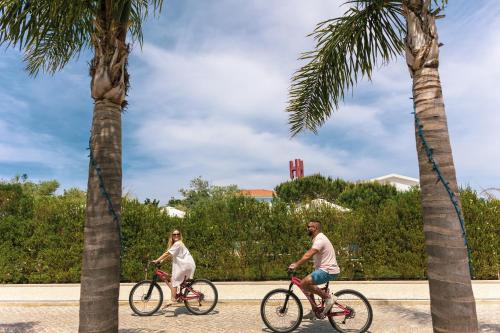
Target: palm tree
<point x="347" y="48"/>
<point x="52" y="32"/>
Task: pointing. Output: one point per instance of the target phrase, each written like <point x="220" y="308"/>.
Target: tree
<point x="369" y="195"/>
<point x="43" y="188"/>
<point x="200" y="190"/>
<point x="154" y="202"/>
<point x="310" y="187"/>
<point x="348" y="48"/>
<point x="51" y="33"/>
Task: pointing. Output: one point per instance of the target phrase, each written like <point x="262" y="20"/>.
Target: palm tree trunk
<point x="100" y="280"/>
<point x="453" y="307"/>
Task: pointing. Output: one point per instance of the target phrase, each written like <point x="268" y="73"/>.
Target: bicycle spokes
<point x="194" y="295"/>
<point x="351" y="312"/>
<point x="145" y="298"/>
<point x="281" y="311"/>
<point x="200" y="297"/>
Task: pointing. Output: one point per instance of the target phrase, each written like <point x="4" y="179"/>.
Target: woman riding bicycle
<point x="183" y="265"/>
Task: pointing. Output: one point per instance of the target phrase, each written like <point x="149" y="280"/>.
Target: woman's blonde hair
<point x="171" y="238"/>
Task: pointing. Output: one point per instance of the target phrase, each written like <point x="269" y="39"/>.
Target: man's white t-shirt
<point x="325" y="258"/>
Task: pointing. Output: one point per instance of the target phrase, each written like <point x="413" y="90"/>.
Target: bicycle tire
<point x="357" y="302"/>
<point x="209" y="294"/>
<point x="267" y="309"/>
<point x="138" y="293"/>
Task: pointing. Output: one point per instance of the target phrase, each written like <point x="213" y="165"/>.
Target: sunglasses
<point x="176" y="234"/>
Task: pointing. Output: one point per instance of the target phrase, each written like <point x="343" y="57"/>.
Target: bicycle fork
<point x="287" y="297"/>
<point x="150" y="290"/>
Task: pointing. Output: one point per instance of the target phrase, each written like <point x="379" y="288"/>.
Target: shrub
<point x="234" y="237"/>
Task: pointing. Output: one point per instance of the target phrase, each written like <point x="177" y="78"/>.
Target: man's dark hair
<point x="318" y="223"/>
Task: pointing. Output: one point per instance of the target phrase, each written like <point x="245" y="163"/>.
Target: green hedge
<point x="235" y="237"/>
<point x="40" y="236"/>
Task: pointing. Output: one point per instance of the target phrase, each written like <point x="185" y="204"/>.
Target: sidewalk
<point x="378" y="292"/>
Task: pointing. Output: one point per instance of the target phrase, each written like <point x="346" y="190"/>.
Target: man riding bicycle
<point x="325" y="266"/>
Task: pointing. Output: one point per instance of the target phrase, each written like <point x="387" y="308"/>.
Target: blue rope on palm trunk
<point x="429" y="151"/>
<point x="106" y="195"/>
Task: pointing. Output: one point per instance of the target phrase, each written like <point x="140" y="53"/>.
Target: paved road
<point x="227" y="317"/>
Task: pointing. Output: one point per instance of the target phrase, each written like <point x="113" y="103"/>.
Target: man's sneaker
<point x="311" y="315"/>
<point x="328" y="305"/>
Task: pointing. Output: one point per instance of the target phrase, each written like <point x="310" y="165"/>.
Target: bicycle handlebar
<point x="151" y="262"/>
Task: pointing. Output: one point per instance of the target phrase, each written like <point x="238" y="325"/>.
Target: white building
<point x="401" y="183"/>
<point x="318" y="203"/>
<point x="323" y="202"/>
<point x="173" y="212"/>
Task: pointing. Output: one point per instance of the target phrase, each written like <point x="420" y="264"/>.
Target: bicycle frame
<point x="186" y="284"/>
<point x="317" y="308"/>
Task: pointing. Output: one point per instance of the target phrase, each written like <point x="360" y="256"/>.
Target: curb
<point x="248" y="292"/>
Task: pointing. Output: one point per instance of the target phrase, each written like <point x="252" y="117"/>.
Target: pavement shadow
<point x="22" y="327"/>
<point x="315" y="326"/>
<point x="489" y="328"/>
<point x="424" y="317"/>
<point x="419" y="316"/>
<point x="156" y="314"/>
<point x="139" y="330"/>
<point x="174" y="312"/>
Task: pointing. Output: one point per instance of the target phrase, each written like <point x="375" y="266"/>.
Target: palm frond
<point x="138" y="15"/>
<point x="52" y="32"/>
<point x="346" y="48"/>
<point x="440" y="4"/>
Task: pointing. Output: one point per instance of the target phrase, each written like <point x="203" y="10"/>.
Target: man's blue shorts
<point x="319" y="276"/>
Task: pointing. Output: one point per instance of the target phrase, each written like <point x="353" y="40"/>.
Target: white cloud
<point x="212" y="143"/>
<point x="12" y="105"/>
<point x="209" y="91"/>
<point x="364" y="121"/>
<point x="20" y="145"/>
<point x="227" y="152"/>
<point x="470" y="82"/>
<point x="201" y="83"/>
<point x="218" y="105"/>
<point x="29" y="149"/>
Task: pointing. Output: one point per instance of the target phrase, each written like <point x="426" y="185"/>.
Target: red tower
<point x="296" y="168"/>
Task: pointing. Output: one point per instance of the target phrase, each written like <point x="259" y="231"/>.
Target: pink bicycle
<point x="281" y="310"/>
<point x="199" y="295"/>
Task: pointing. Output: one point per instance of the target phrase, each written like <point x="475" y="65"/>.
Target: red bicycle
<point x="199" y="295"/>
<point x="281" y="310"/>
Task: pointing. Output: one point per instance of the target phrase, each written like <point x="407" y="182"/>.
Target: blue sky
<point x="208" y="93"/>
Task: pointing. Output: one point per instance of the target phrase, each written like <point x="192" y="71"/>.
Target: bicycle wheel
<point x="200" y="297"/>
<point x="140" y="303"/>
<point x="351" y="312"/>
<point x="279" y="317"/>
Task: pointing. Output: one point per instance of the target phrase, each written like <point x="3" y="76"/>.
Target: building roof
<point x="257" y="193"/>
<point x="401" y="183"/>
<point x="396" y="177"/>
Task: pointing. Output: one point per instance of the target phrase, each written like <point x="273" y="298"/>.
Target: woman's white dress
<point x="182" y="263"/>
